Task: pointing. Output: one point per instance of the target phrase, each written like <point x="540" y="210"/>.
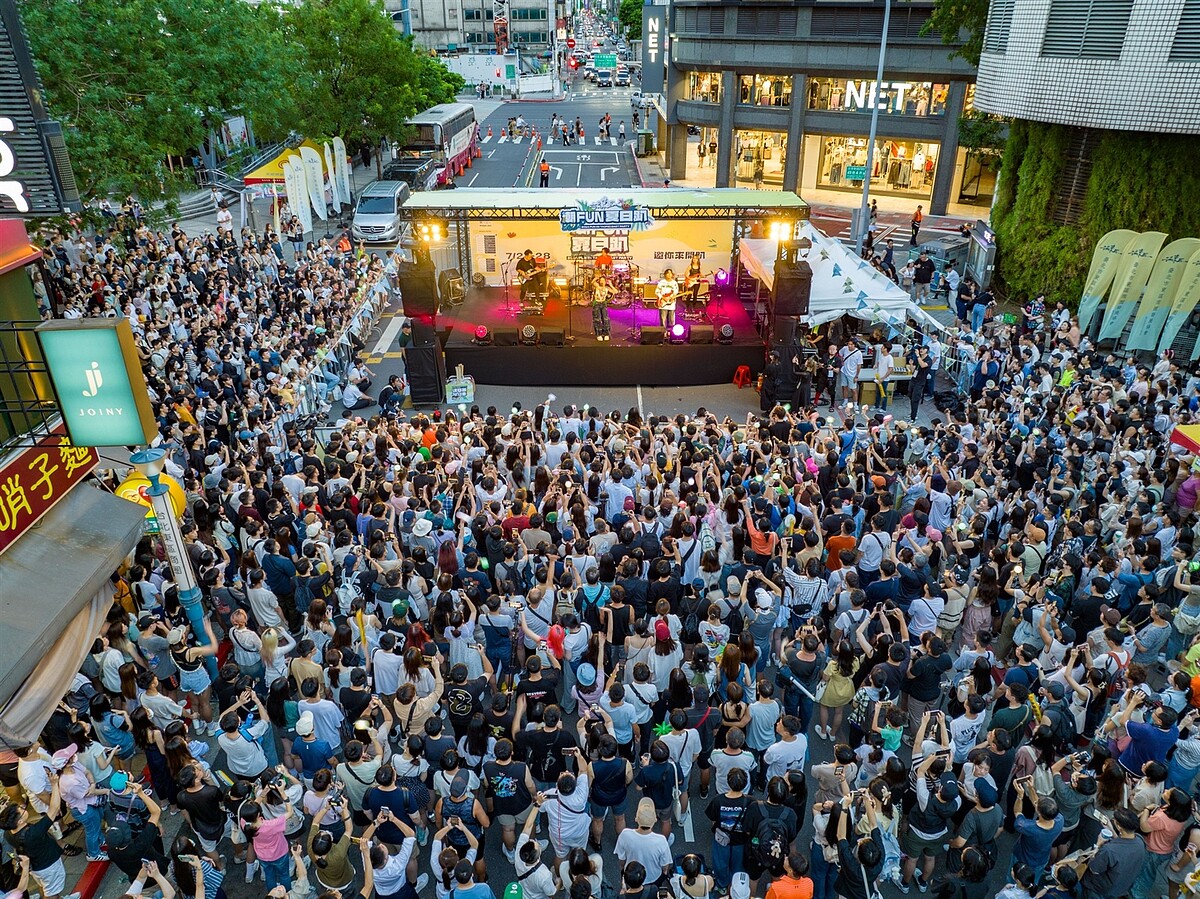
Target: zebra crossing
<point x="505" y="139"/>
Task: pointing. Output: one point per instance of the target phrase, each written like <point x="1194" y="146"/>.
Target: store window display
<point x="894" y="97"/>
<point x="704" y="86"/>
<point x="904" y="168"/>
<point x="760" y="158"/>
<point x="765" y="90"/>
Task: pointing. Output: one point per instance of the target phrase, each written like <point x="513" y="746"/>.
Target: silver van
<point x="377" y="215"/>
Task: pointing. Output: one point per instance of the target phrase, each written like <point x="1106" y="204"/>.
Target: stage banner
<point x="335" y="192"/>
<point x="1130" y="282"/>
<point x="1187" y="296"/>
<point x="315" y="178"/>
<point x="1168" y="274"/>
<point x="1110" y="251"/>
<point x="667" y="243"/>
<point x="342" y="168"/>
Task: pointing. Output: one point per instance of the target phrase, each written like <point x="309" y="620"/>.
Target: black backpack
<point x="770" y="843"/>
<point x="690" y="632"/>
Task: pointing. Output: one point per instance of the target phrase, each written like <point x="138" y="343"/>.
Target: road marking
<point x="639" y="396"/>
<point x="388" y="335"/>
<point x="503" y="138"/>
<point x="557" y="172"/>
<point x="486" y="139"/>
<point x="578" y="175"/>
<point x="472" y="181"/>
<point x="490" y="152"/>
<point x="604" y="171"/>
<point x="613" y="141"/>
<point x="599" y="142"/>
<point x="518" y="138"/>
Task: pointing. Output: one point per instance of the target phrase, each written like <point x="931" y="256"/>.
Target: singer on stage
<point x="531" y="273"/>
<point x="602" y="292"/>
<point x="667" y="293"/>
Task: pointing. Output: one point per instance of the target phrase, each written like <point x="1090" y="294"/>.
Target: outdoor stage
<point x="585" y="361"/>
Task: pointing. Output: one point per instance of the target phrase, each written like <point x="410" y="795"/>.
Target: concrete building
<point x="467" y="25"/>
<point x="784" y="90"/>
<point x="1130" y="65"/>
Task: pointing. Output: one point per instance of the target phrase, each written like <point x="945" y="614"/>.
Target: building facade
<point x="1128" y="65"/>
<point x="455" y="26"/>
<point x="784" y="90"/>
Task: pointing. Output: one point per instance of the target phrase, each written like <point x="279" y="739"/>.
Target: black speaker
<point x="423" y="334"/>
<point x="505" y="336"/>
<point x="653" y="335"/>
<point x="419" y="293"/>
<point x="793" y="288"/>
<point x="700" y="334"/>
<point x="785" y="330"/>
<point x="552" y="336"/>
<point x="426" y="366"/>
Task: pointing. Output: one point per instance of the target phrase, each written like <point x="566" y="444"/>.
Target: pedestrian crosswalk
<point x="596" y="140"/>
<point x="503" y="138"/>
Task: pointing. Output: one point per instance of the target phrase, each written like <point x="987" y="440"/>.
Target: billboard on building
<point x="654" y="49"/>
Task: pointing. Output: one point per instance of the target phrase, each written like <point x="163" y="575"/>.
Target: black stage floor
<point x="584" y="361"/>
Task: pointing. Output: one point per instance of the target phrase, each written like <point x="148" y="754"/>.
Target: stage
<point x="584" y="361"/>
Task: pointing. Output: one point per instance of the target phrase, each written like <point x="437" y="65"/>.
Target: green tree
<point x="136" y="81"/>
<point x="952" y="17"/>
<point x="360" y="79"/>
<point x="629" y="14"/>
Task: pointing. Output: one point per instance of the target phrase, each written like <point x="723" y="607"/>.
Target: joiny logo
<point x="95" y="379"/>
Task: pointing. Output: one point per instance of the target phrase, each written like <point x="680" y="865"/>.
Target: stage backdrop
<point x="497" y="245"/>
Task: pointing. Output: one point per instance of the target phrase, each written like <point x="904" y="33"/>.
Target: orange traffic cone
<point x="460" y="170"/>
<point x="470" y="159"/>
<point x="489" y="130"/>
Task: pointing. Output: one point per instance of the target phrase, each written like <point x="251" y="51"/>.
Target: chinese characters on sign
<point x="678" y="254"/>
<point x="605" y="215"/>
<point x="32" y="482"/>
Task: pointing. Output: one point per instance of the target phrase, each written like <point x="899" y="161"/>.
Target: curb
<point x="637" y="165"/>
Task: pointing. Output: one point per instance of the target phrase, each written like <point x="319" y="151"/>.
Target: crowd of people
<point x="441" y="651"/>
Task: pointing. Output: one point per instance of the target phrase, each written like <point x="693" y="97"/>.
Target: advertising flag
<point x="1130" y="282"/>
<point x="1161" y="289"/>
<point x="303" y="207"/>
<point x="342" y="167"/>
<point x="335" y="192"/>
<point x="1105" y="261"/>
<point x="1186" y="298"/>
<point x="315" y="178"/>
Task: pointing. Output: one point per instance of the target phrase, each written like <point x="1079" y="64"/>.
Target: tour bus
<point x="448" y="134"/>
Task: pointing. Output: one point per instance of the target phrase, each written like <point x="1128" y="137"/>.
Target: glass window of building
<point x="899" y="167"/>
<point x="704" y="86"/>
<point x="765" y="90"/>
<point x="759" y="158"/>
<point x="911" y="98"/>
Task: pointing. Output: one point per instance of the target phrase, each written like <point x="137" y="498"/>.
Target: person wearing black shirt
<point x="510" y="790"/>
<point x="200" y="801"/>
<point x="773" y="809"/>
<point x="727" y="812"/>
<point x="127" y="850"/>
<point x="543" y="748"/>
<point x="859" y="863"/>
<point x="538" y="687"/>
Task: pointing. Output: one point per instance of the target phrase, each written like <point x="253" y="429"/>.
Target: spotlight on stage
<point x="678" y="333"/>
<point x="725" y="334"/>
<point x="781" y="230"/>
<point x="431" y="232"/>
<point x="722" y="277"/>
<point x="483" y="337"/>
<point x="529" y="335"/>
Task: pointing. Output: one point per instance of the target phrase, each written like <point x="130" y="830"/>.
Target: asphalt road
<point x="596" y="163"/>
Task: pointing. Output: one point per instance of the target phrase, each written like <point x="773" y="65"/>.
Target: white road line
<point x="613" y="141"/>
<point x="518" y="138"/>
<point x="486" y="139"/>
<point x="503" y="138"/>
<point x="473" y="177"/>
<point x="639" y="396"/>
<point x="578" y="175"/>
<point x="388" y="335"/>
<point x="598" y="141"/>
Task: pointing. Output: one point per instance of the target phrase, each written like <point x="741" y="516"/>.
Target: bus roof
<point x="435" y="115"/>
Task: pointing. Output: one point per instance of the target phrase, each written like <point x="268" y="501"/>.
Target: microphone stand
<point x="505" y="273"/>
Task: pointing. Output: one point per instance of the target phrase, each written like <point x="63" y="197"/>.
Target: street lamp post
<point x="863" y="221"/>
<point x="150" y="463"/>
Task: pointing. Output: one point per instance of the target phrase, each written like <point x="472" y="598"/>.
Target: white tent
<point x="842" y="284"/>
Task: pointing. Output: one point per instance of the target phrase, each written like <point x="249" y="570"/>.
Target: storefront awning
<point x="272" y="172"/>
<point x="54" y="595"/>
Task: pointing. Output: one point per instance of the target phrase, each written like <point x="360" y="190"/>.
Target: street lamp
<point x="863" y="221"/>
<point x="150" y="463"/>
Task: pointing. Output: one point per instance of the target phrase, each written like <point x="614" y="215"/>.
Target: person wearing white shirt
<point x="567" y="814"/>
<point x="644" y="845"/>
<point x="885" y="366"/>
<point x="790" y="753"/>
<point x="355" y="397"/>
<point x="537" y="881"/>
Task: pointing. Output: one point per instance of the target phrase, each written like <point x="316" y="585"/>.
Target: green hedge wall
<point x="1139" y="181"/>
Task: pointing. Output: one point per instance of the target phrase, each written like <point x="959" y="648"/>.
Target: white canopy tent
<point x="842" y="283"/>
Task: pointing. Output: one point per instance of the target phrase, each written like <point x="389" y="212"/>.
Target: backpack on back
<point x="689" y="633"/>
<point x="770" y="843"/>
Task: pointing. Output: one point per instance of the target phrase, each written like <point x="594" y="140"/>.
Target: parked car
<point x="377" y="215"/>
<point x="419" y="173"/>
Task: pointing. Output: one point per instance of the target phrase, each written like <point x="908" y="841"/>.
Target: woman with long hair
<point x="266" y="836"/>
<point x="667" y="655"/>
<point x="196" y="877"/>
<point x="838" y="677"/>
<point x="733" y="671"/>
<point x="283" y="712"/>
<point x="277" y="642"/>
<point x="477" y="746"/>
<point x="734" y="711"/>
<point x="131" y="694"/>
<point x="329" y="848"/>
<point x="149" y="739"/>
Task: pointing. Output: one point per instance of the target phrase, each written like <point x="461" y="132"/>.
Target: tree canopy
<point x="629" y="14"/>
<point x="950" y="18"/>
<point x="136" y="81"/>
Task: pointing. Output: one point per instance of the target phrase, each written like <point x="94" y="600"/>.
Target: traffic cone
<point x="489" y="130"/>
<point x="460" y="170"/>
<point x="539" y="144"/>
<point x="470" y="159"/>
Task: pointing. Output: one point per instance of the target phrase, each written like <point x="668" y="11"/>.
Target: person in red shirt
<point x="517" y="521"/>
<point x="835" y="545"/>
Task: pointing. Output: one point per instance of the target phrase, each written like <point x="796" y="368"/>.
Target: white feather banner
<point x="316" y="180"/>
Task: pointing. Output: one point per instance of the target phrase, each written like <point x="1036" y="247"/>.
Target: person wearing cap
<point x="32" y="841"/>
<point x="314" y="753"/>
<point x="79" y="792"/>
<point x="194" y="679"/>
<point x="937" y="799"/>
<point x="642" y="845"/>
<point x="129" y="849"/>
<point x="980" y="826"/>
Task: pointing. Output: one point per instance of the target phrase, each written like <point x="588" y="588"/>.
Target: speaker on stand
<point x="793" y="287"/>
<point x="419" y="294"/>
<point x="426" y="366"/>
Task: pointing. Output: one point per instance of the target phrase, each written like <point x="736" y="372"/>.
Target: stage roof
<point x="663" y="202"/>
